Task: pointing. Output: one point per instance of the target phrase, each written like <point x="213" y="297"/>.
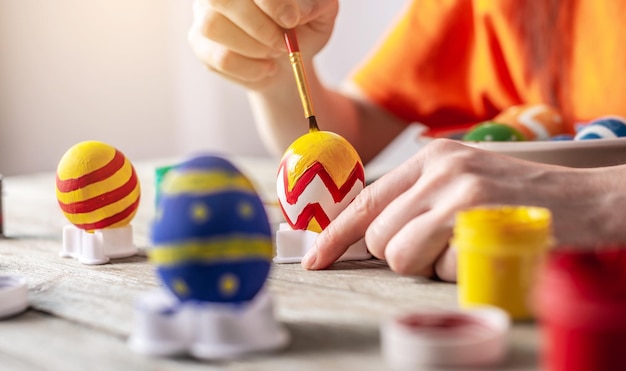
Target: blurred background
<point x="121" y="72"/>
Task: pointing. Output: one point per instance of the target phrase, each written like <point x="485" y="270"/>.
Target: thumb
<point x="286" y="13"/>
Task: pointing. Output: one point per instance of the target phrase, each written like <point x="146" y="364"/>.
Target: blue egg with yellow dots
<point x="211" y="236"/>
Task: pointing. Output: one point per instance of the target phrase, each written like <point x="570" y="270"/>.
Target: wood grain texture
<point x="81" y="315"/>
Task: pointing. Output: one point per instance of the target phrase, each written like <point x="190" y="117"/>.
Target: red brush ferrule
<point x="291" y="40"/>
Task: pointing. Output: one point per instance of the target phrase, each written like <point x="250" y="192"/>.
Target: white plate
<point x="573" y="153"/>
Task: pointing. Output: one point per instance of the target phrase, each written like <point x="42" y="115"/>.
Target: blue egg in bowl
<point x="211" y="236"/>
<point x="603" y="128"/>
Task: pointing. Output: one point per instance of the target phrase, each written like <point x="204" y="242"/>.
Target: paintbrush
<point x="298" y="71"/>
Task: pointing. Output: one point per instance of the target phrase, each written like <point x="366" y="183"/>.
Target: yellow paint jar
<point x="499" y="249"/>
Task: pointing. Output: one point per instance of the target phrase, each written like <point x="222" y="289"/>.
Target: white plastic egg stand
<point x="99" y="246"/>
<point x="165" y="326"/>
<point x="292" y="245"/>
<point x="13" y="295"/>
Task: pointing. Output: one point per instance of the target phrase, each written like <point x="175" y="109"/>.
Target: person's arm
<point x="407" y="216"/>
<point x="245" y="44"/>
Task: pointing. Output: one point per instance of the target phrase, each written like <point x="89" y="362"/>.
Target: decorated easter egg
<point x="493" y="132"/>
<point x="534" y="121"/>
<point x="97" y="187"/>
<point x="603" y="128"/>
<point x="318" y="176"/>
<point x="211" y="237"/>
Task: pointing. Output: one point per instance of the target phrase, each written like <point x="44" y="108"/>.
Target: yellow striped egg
<point x="97" y="187"/>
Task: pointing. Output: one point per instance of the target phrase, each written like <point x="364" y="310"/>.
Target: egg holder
<point x="13" y="295"/>
<point x="292" y="245"/>
<point x="165" y="326"/>
<point x="99" y="246"/>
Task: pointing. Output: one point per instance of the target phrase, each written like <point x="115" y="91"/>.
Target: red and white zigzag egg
<point x="319" y="175"/>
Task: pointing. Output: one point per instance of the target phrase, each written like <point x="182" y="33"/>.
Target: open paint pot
<point x="453" y="338"/>
<point x="499" y="249"/>
<point x="581" y="304"/>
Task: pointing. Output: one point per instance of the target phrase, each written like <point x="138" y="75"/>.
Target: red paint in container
<point x="581" y="304"/>
<point x="444" y="326"/>
<point x="440" y="321"/>
<point x="473" y="337"/>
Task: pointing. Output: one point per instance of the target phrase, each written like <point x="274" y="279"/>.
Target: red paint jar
<point x="580" y="300"/>
<point x="477" y="336"/>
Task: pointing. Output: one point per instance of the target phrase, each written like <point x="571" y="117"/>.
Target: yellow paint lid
<point x="503" y="229"/>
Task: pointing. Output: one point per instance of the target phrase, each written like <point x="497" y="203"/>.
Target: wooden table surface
<point x="80" y="316"/>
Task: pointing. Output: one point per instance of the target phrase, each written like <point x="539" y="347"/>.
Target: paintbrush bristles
<point x="313" y="124"/>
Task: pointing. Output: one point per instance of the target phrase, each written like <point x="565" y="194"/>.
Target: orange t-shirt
<point x="451" y="63"/>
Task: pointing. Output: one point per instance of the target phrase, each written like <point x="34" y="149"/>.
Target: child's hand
<point x="407" y="216"/>
<point x="242" y="39"/>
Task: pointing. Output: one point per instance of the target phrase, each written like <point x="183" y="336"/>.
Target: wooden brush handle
<point x="298" y="71"/>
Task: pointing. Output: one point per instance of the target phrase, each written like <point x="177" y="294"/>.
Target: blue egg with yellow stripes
<point x="211" y="236"/>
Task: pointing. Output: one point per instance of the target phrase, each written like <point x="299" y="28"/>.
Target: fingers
<point x="244" y="39"/>
<point x="415" y="248"/>
<point x="345" y="230"/>
<point x="351" y="224"/>
<point x="252" y="20"/>
<point x="446" y="264"/>
<point x="236" y="39"/>
<point x="290" y="13"/>
<point x="417" y="199"/>
<point x="286" y="13"/>
<point x="218" y="28"/>
<point x="394" y="217"/>
<point x="407" y="216"/>
<point x="226" y="49"/>
<point x="230" y="64"/>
